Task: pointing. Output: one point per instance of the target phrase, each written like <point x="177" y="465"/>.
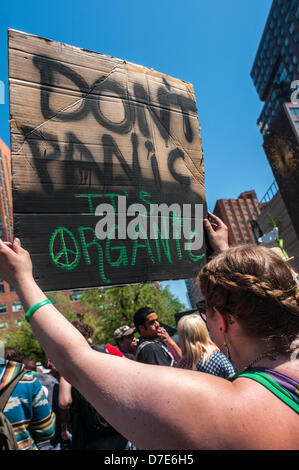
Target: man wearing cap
<point x="126" y="341"/>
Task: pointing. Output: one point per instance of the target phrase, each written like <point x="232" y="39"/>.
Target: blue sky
<point x="211" y="44"/>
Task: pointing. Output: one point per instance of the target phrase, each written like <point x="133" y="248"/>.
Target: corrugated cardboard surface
<point x="85" y="126"/>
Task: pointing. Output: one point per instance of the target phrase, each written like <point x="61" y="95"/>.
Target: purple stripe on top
<point x="285" y="381"/>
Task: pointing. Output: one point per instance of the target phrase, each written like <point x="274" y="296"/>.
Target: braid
<point x="257" y="287"/>
<point x="236" y="281"/>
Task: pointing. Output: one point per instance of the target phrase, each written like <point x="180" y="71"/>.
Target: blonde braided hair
<point x="256" y="286"/>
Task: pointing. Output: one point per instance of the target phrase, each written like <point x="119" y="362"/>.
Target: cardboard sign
<point x="86" y="129"/>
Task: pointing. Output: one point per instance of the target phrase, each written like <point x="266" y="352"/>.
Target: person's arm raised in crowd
<point x="217" y="233"/>
<point x="154" y="407"/>
<point x="170" y="343"/>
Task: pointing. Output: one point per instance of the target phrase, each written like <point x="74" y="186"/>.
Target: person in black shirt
<point x="150" y="349"/>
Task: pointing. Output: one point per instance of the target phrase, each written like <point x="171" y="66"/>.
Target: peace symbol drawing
<point x="64" y="249"/>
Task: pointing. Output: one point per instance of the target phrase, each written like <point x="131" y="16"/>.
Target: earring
<point x="227" y="353"/>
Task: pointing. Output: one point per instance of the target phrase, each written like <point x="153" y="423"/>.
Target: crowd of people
<point x="72" y="422"/>
<point x="237" y="349"/>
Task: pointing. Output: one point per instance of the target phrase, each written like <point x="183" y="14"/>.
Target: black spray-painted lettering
<point x="82" y="170"/>
<point x="47" y="71"/>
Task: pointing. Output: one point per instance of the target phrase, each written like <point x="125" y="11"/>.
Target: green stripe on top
<point x="271" y="385"/>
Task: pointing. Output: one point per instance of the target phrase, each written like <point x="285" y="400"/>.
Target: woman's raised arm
<point x="153" y="406"/>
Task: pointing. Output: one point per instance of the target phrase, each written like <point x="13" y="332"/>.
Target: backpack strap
<point x="140" y="347"/>
<point x="7" y="391"/>
<point x="163" y="347"/>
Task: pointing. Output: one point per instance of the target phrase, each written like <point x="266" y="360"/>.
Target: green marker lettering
<point x="137" y="245"/>
<point x="193" y="257"/>
<point x="90" y="203"/>
<point x="159" y="238"/>
<point x="141" y="196"/>
<point x="85" y="247"/>
<point x="112" y="196"/>
<point x="122" y="259"/>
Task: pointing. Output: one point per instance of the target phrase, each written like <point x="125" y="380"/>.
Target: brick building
<point x="238" y="215"/>
<point x="10" y="307"/>
<point x="6" y="217"/>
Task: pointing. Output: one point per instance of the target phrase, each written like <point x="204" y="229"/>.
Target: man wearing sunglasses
<point x="126" y="341"/>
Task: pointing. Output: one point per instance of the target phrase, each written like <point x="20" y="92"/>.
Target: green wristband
<point x="35" y="307"/>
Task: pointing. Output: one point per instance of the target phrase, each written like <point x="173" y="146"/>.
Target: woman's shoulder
<point x="275" y="422"/>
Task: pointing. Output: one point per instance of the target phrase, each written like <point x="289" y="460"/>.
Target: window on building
<point x="283" y="9"/>
<point x="294" y="112"/>
<point x="12" y="289"/>
<point x="3" y="324"/>
<point x="292" y="28"/>
<point x="1" y="289"/>
<point x="17" y="306"/>
<point x="3" y="308"/>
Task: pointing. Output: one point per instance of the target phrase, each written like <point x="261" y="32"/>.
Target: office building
<point x="274" y="74"/>
<point x="276" y="64"/>
<point x="190" y="287"/>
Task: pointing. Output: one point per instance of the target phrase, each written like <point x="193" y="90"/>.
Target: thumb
<point x="16" y="245"/>
<point x="208" y="226"/>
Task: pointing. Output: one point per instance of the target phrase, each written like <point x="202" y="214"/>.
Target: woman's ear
<point x="223" y="319"/>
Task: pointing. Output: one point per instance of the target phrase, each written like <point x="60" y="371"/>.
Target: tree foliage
<point x="108" y="308"/>
<point x="105" y="309"/>
<point x="22" y="337"/>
